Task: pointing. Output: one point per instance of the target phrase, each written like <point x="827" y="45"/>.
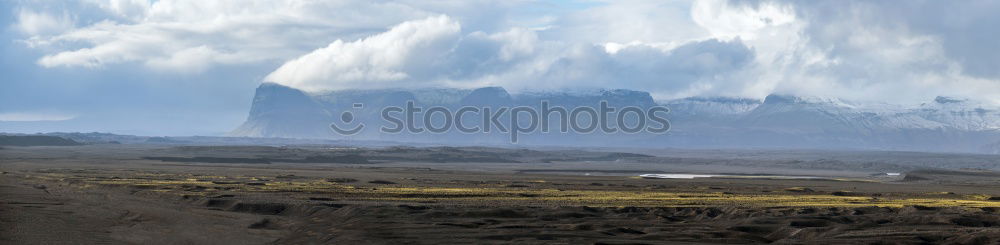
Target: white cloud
<point x="432" y="52"/>
<point x="194" y="60"/>
<point x="129" y="9"/>
<point x="725" y="20"/>
<point x="39" y="23"/>
<point x="860" y="50"/>
<point x="171" y="34"/>
<point x="628" y="21"/>
<point x="897" y="51"/>
<point x="386" y="57"/>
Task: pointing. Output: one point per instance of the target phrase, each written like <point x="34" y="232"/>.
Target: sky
<point x="190" y="67"/>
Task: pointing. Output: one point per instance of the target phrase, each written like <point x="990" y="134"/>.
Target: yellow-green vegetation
<point x="493" y="194"/>
<point x="648" y="198"/>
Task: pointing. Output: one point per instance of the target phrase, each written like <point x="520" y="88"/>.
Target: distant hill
<point x="35" y="140"/>
<point x="96" y="138"/>
<point x="280" y="111"/>
<point x="779" y="121"/>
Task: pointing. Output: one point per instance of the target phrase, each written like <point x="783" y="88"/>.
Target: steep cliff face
<point x="944" y="124"/>
<point x="279" y="111"/>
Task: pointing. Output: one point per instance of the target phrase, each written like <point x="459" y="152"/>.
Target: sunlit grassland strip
<point x="496" y="195"/>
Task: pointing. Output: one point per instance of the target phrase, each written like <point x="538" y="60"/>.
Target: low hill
<point x="35" y="140"/>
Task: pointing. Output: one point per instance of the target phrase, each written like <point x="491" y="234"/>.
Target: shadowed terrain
<point x="321" y="194"/>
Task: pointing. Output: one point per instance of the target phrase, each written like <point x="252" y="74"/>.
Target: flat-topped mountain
<point x="777" y="121"/>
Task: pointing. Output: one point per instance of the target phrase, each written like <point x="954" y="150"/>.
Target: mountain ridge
<point x="777" y="121"/>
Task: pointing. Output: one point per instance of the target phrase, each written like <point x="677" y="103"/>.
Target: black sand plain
<point x="156" y="194"/>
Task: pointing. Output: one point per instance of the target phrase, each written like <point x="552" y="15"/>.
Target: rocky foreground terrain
<point x="190" y="194"/>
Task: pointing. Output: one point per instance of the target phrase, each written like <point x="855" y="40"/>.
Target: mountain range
<point x="778" y="121"/>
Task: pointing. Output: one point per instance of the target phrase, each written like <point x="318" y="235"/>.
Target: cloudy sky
<point x="183" y="67"/>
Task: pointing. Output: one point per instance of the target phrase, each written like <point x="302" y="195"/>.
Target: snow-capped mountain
<point x="778" y="121"/>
